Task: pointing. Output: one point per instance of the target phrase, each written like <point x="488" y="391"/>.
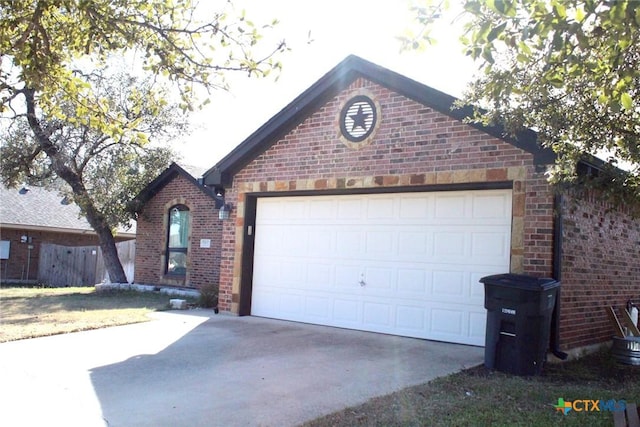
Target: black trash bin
<point x="519" y="309"/>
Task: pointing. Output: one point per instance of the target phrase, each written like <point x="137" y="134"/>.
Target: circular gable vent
<point x="358" y="119"/>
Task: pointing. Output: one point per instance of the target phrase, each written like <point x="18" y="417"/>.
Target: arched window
<point x="177" y="240"/>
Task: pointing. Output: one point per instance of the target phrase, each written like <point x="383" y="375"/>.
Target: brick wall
<point x="413" y="146"/>
<point x="203" y="263"/>
<point x="22" y="259"/>
<point x="600" y="267"/>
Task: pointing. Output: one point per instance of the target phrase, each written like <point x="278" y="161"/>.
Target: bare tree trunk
<point x="110" y="254"/>
<point x="60" y="165"/>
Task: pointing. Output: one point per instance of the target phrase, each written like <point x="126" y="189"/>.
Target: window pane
<point x="179" y="228"/>
<point x="178" y="240"/>
<point x="177" y="263"/>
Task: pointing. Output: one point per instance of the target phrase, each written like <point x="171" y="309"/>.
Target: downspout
<point x="557" y="275"/>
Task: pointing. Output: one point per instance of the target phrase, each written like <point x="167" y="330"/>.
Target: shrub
<point x="209" y="296"/>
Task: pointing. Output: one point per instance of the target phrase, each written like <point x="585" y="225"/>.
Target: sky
<point x="320" y="34"/>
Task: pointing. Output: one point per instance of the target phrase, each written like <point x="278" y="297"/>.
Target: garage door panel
<point x="320" y="242"/>
<point x="405" y="264"/>
<point x="272" y="211"/>
<point x="269" y="239"/>
<point x="346" y="313"/>
<point x="448" y="285"/>
<point x="377" y="314"/>
<point x="348" y="242"/>
<point x="449" y="244"/>
<point x="347" y="276"/>
<point x="292" y="303"/>
<point x="497" y="206"/>
<point x="321" y="209"/>
<point x="380" y="242"/>
<point x="296" y="210"/>
<point x="292" y="272"/>
<point x="450" y="206"/>
<point x="412" y="281"/>
<point x="477" y="326"/>
<point x="410" y="318"/>
<point x="415" y="208"/>
<point x="447" y="321"/>
<point x="414" y="244"/>
<point x="269" y="268"/>
<point x="350" y="209"/>
<point x="490" y="244"/>
<point x="289" y="305"/>
<point x="318" y="308"/>
<point x="297" y="246"/>
<point x="319" y="275"/>
<point x="380" y="208"/>
<point x="378" y="279"/>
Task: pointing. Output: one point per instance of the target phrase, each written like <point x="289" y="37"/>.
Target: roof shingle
<point x="41" y="208"/>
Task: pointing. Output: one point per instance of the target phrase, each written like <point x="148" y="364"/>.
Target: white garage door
<point x="399" y="263"/>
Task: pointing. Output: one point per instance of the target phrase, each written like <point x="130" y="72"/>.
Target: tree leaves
<point x="565" y="68"/>
<point x="42" y="40"/>
<point x="626" y="101"/>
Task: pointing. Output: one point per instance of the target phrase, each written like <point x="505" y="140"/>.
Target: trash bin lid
<point x="521" y="281"/>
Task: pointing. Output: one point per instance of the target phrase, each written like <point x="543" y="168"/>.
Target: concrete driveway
<point x="194" y="368"/>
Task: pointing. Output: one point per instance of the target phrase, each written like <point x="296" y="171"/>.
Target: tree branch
<point x="37" y="14"/>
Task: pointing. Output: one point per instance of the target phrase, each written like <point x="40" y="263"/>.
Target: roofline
<point x="279" y="125"/>
<point x="154" y="187"/>
<point x="328" y="86"/>
<point x="85" y="231"/>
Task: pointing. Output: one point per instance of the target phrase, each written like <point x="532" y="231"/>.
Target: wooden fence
<point x="80" y="265"/>
<point x="127" y="255"/>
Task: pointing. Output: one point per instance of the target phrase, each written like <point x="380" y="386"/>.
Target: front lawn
<point x="35" y="312"/>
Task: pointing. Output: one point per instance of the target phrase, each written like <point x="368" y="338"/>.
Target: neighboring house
<point x="368" y="203"/>
<point x="178" y="232"/>
<point x="33" y="216"/>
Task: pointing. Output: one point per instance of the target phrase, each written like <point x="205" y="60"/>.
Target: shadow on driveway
<point x="190" y="369"/>
<point x="249" y="371"/>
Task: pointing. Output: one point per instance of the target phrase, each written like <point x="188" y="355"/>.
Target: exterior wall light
<point x="224" y="212"/>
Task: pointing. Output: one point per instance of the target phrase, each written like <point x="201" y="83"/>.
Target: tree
<point x="102" y="173"/>
<point x="567" y="69"/>
<point x="67" y="118"/>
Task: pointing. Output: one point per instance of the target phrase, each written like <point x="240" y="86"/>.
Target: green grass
<point x="479" y="397"/>
<point x="35" y="312"/>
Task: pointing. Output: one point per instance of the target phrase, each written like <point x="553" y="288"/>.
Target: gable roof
<point x="336" y="80"/>
<point x="39" y="208"/>
<point x="162" y="180"/>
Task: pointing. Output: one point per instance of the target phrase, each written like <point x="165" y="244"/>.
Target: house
<point x="31" y="217"/>
<point x="178" y="232"/>
<point x="368" y="203"/>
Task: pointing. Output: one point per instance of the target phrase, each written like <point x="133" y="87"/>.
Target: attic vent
<point x="358" y="118"/>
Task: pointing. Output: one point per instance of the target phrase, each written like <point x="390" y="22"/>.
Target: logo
<point x="563" y="406"/>
<point x="589" y="405"/>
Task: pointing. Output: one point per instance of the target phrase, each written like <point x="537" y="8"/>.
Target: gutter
<point x="557" y="275"/>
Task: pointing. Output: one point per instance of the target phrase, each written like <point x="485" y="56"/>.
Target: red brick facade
<point x="22" y="259"/>
<point x="600" y="267"/>
<point x="413" y="146"/>
<point x="416" y="146"/>
<point x="151" y="240"/>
